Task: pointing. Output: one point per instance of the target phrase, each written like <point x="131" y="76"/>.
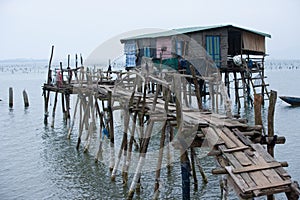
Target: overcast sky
<point x="30" y="27"/>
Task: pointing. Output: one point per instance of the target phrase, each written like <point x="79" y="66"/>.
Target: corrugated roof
<point x="189" y="30"/>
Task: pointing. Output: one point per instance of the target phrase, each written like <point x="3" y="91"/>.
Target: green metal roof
<point x="189" y="30"/>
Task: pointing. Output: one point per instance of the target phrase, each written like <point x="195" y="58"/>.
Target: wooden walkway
<point x="237" y="146"/>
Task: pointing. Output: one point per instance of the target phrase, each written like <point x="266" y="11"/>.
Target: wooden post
<point x="143" y="152"/>
<point x="73" y="120"/>
<point x="46" y="102"/>
<point x="68" y="117"/>
<point x="236" y="87"/>
<point x="271" y="112"/>
<point x="197" y="89"/>
<point x="11" y="97"/>
<point x="63" y="106"/>
<point x="194" y="169"/>
<point x="185" y="175"/>
<point x="111" y="131"/>
<point x="257" y="109"/>
<point x="162" y="144"/>
<point x="53" y="111"/>
<point x="131" y="140"/>
<point x="204" y="178"/>
<point x="49" y="66"/>
<point x="123" y="147"/>
<point x="25" y="98"/>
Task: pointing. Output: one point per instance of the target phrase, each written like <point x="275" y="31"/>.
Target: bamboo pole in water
<point x="25" y="98"/>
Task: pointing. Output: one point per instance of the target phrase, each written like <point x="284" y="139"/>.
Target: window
<point x="213" y="49"/>
<point x="147" y="52"/>
<point x="179" y="48"/>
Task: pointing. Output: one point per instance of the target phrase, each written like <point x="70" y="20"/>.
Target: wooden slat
<point x="231" y="135"/>
<point x="242" y="137"/>
<point x="238" y="181"/>
<point x="229" y="143"/>
<point x="257" y="167"/>
<point x="242" y="158"/>
<point x="271" y="185"/>
<point x="236" y="149"/>
<point x="259" y="148"/>
<point x="236" y="164"/>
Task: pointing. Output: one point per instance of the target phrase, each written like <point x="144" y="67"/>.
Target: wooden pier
<point x="148" y="96"/>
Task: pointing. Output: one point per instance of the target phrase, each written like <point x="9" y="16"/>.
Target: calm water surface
<point x="39" y="162"/>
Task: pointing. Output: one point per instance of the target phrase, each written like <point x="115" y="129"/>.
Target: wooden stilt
<point x="102" y="125"/>
<point x="73" y="119"/>
<point x="46" y="104"/>
<point x="162" y="144"/>
<point x="11" y="97"/>
<point x="197" y="89"/>
<point x="204" y="178"/>
<point x="68" y="117"/>
<point x="49" y="79"/>
<point x="271" y="111"/>
<point x="194" y="169"/>
<point x="54" y="108"/>
<point x="123" y="147"/>
<point x="111" y="131"/>
<point x="131" y="141"/>
<point x="185" y="175"/>
<point x="63" y="106"/>
<point x="25" y="98"/>
<point x="236" y="87"/>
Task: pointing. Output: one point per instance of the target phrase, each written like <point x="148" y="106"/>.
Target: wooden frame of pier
<point x="237" y="146"/>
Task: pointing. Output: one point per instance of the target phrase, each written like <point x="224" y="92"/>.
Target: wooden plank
<point x="229" y="143"/>
<point x="271" y="185"/>
<point x="235" y="163"/>
<point x="263" y="152"/>
<point x="257" y="167"/>
<point x="236" y="149"/>
<point x="242" y="137"/>
<point x="242" y="158"/>
<point x="231" y="135"/>
<point x="242" y="185"/>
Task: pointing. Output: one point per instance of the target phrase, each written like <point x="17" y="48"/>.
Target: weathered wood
<point x="111" y="131"/>
<point x="197" y="89"/>
<point x="11" y="97"/>
<point x="257" y="109"/>
<point x="256" y="167"/>
<point x="54" y="108"/>
<point x="49" y="79"/>
<point x="271" y="111"/>
<point x="25" y="98"/>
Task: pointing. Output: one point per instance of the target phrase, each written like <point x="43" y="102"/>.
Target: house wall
<point x="164" y="42"/>
<point x="253" y="42"/>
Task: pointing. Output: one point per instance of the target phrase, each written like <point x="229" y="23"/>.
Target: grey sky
<point x="30" y="27"/>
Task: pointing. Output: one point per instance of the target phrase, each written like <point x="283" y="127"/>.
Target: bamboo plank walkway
<point x="248" y="165"/>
